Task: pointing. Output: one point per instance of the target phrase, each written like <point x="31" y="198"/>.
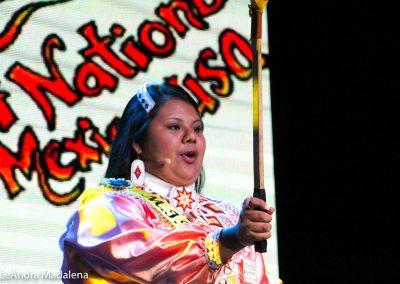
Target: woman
<point x="147" y="221"/>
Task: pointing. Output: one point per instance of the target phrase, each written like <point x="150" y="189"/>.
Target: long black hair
<point x="133" y="126"/>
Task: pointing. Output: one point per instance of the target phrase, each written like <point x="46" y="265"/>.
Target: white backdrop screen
<point x="67" y="69"/>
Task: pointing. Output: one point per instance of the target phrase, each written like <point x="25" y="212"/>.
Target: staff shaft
<point x="258" y="150"/>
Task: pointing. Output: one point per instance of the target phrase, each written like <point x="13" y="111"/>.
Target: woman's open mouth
<point x="189" y="157"/>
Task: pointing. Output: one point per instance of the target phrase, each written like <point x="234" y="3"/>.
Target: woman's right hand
<point x="254" y="224"/>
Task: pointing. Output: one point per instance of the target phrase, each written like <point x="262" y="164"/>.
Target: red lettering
<point x="117" y="30"/>
<point x="101" y="46"/>
<point x="102" y="79"/>
<point x="223" y="85"/>
<point x="104" y="142"/>
<point x="168" y="12"/>
<point x="14" y="26"/>
<point x="171" y="80"/>
<point x="101" y="141"/>
<point x="24" y="160"/>
<point x="77" y="145"/>
<point x="205" y="101"/>
<point x="27" y="159"/>
<point x="52" y="157"/>
<point x="37" y="86"/>
<point x="7" y="117"/>
<point x="134" y="53"/>
<point x="85" y="153"/>
<point x="111" y="131"/>
<point x="146" y="31"/>
<point x="209" y="9"/>
<point x="47" y="163"/>
<point x="48" y="193"/>
<point x="229" y="41"/>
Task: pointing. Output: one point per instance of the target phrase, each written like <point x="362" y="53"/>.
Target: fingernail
<point x="248" y="202"/>
<point x="245" y="204"/>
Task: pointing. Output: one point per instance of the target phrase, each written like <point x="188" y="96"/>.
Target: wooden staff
<point x="256" y="10"/>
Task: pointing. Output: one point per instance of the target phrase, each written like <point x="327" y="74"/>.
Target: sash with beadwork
<point x="160" y="204"/>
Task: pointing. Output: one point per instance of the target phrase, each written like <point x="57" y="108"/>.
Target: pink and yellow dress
<point x="158" y="233"/>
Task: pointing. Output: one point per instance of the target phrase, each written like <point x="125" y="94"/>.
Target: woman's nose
<point x="190" y="136"/>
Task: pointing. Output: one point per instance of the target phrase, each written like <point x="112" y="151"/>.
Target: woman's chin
<point x="181" y="176"/>
<point x="186" y="181"/>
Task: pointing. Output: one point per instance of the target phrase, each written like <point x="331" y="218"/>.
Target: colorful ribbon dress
<point x="158" y="233"/>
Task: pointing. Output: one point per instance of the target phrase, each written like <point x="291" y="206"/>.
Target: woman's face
<point x="175" y="133"/>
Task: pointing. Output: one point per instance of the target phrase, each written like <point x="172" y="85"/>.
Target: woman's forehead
<point x="179" y="109"/>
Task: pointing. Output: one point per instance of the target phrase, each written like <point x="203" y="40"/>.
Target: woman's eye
<point x="174" y="127"/>
<point x="198" y="129"/>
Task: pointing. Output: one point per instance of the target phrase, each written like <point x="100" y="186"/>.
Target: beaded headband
<point x="145" y="99"/>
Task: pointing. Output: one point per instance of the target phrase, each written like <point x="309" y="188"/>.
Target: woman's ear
<point x="137" y="148"/>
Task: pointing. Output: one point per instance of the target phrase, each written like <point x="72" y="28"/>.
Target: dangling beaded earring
<point x="137" y="172"/>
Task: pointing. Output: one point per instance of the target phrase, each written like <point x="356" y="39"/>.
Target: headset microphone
<point x="160" y="163"/>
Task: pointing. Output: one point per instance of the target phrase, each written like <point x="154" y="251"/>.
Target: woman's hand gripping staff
<point x="254" y="224"/>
